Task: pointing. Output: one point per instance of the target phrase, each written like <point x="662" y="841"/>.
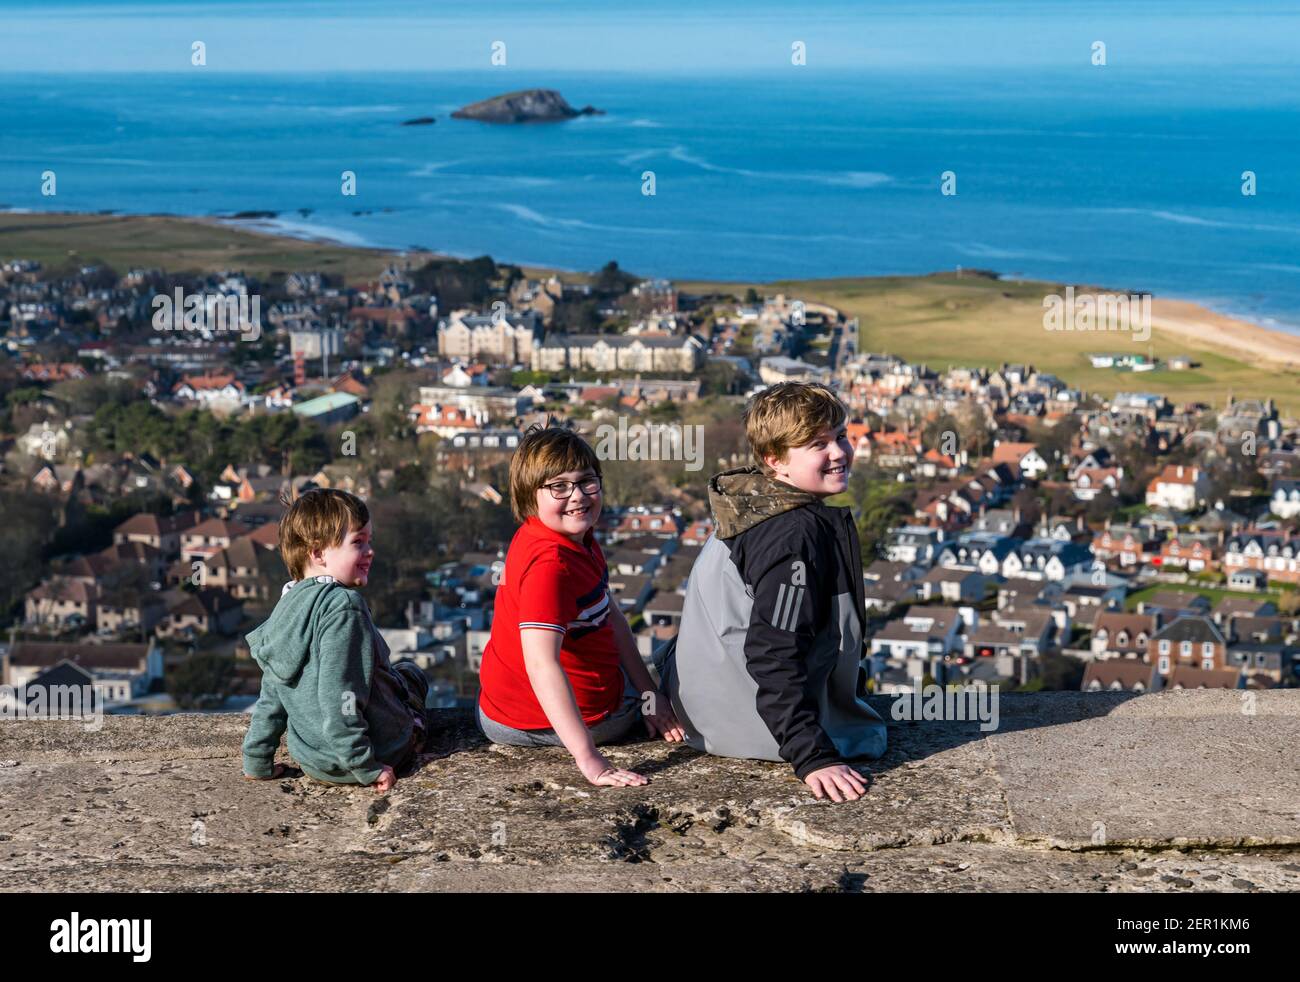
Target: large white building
<point x="779" y="368"/>
<point x="617" y="353"/>
<point x="506" y="337"/>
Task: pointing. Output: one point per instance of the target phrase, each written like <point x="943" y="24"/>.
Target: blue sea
<point x="1127" y="177"/>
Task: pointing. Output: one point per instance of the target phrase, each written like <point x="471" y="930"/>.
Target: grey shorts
<point x="613" y="727"/>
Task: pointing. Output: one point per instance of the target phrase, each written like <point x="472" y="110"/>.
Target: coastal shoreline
<point x="1192" y="321"/>
<point x="325" y="235"/>
<point x="1186" y="320"/>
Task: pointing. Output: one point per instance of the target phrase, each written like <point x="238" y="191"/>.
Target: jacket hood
<point x="745" y="497"/>
<point x="282" y="643"/>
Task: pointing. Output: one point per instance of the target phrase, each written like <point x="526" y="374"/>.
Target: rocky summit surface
<point x="1107" y="792"/>
<point x="525" y="106"/>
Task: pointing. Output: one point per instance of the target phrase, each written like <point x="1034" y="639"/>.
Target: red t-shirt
<point x="553" y="584"/>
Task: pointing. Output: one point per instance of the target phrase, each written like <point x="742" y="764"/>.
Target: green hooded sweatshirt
<point x="328" y="686"/>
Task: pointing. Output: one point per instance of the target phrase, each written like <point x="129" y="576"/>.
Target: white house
<point x="280" y="397"/>
<point x="1179" y="486"/>
<point x="121" y="672"/>
<point x="1285" y="500"/>
<point x="952" y="585"/>
<point x="1088" y="482"/>
<point x="415" y="644"/>
<point x="913" y="544"/>
<point x="1045" y="559"/>
<point x="46" y="440"/>
<point x="1024" y="455"/>
<point x="923" y="632"/>
<point x="218" y="392"/>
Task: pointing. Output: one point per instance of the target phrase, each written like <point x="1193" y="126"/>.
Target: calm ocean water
<point x="1125" y="178"/>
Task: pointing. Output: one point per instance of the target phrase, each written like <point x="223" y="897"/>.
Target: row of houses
<point x="179" y="576"/>
<point x="1235" y="647"/>
<point x="1248" y="557"/>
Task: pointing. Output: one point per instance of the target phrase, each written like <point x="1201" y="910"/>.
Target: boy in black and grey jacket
<point x="766" y="662"/>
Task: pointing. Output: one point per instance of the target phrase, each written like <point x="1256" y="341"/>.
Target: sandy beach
<point x="1235" y="337"/>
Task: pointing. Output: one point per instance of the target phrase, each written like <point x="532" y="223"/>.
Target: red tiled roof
<point x="1190" y="677"/>
<point x="1011" y="453"/>
<point x="934" y="456"/>
<point x="146" y="523"/>
<point x="53" y="373"/>
<point x="220" y="528"/>
<point x="202" y="382"/>
<point x="443" y="416"/>
<point x="1174" y="474"/>
<point x="267" y="536"/>
<point x="350" y="384"/>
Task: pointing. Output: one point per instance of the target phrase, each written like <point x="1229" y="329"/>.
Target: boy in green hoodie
<point x="350" y="717"/>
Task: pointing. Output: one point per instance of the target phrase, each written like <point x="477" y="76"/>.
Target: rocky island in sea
<point x="524" y="106"/>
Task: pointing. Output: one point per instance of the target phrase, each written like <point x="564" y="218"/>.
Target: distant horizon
<point x="1129" y="171"/>
<point x="677" y="37"/>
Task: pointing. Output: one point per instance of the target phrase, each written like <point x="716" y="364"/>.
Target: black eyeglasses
<point x="562" y="489"/>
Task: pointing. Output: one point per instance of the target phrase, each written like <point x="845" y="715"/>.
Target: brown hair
<point x="544" y="452"/>
<point x="318" y="519"/>
<point x="790" y="414"/>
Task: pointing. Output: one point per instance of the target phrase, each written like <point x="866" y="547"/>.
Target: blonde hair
<point x="318" y="519"/>
<point x="544" y="452"/>
<point x="790" y="414"/>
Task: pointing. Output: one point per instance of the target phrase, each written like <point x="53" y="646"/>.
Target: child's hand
<point x="663" y="723"/>
<point x="279" y="770"/>
<point x="384" y="783"/>
<point x="836" y="780"/>
<point x="602" y="773"/>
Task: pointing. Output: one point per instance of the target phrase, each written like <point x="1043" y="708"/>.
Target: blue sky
<point x="684" y="36"/>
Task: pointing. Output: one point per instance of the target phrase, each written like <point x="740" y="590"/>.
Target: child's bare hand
<point x="614" y="777"/>
<point x="839" y="781"/>
<point x="384" y="783"/>
<point x="664" y="723"/>
<point x="602" y="773"/>
<point x="279" y="770"/>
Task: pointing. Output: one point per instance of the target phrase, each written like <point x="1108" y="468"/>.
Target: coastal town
<point x="1017" y="531"/>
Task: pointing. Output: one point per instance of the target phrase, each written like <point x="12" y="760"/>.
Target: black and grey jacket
<point x="765" y="664"/>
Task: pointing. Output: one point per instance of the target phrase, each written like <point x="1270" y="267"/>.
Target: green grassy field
<point x="941" y="320"/>
<point x="946" y="319"/>
<point x="180" y="245"/>
<point x="175" y="244"/>
<point x="1213" y="594"/>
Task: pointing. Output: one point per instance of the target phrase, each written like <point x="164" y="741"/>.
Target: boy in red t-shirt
<point x="561" y="667"/>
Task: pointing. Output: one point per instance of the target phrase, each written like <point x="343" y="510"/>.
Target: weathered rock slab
<point x="1193" y="794"/>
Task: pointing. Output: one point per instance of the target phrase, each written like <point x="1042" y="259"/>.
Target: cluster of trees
<point x="968" y="430"/>
<point x="204" y="442"/>
<point x="878" y="504"/>
<point x="38" y="530"/>
<point x="464" y="282"/>
<point x="29" y="523"/>
<point x="582" y="316"/>
<point x="419" y="524"/>
<point x="202" y="681"/>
